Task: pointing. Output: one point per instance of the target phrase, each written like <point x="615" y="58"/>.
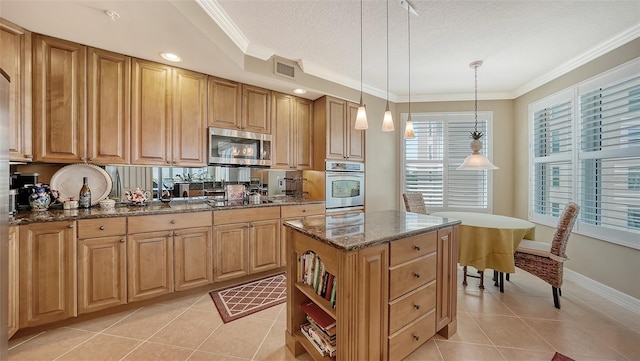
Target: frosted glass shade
<point x="408" y="130"/>
<point x="387" y="121"/>
<point x="476" y="161"/>
<point x="361" y="118"/>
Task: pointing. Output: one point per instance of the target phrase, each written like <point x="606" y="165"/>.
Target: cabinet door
<point x="193" y="258"/>
<point x="225" y="103"/>
<point x="189" y="118"/>
<point x="101" y="273"/>
<point x="15" y="60"/>
<point x="354" y="138"/>
<point x="109" y="107"/>
<point x="150" y="113"/>
<point x="231" y="249"/>
<point x="13" y="298"/>
<point x="149" y="265"/>
<point x="283" y="134"/>
<point x="59" y="116"/>
<point x="264" y="245"/>
<point x="256" y="109"/>
<point x="47" y="273"/>
<point x="446" y="274"/>
<point x="336" y="115"/>
<point x="303" y="133"/>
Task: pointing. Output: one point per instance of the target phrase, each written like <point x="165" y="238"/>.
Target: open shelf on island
<point x="310" y="348"/>
<point x="313" y="296"/>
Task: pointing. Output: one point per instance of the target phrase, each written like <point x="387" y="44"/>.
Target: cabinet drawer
<point x="411" y="306"/>
<point x="411" y="275"/>
<point x="245" y="215"/>
<point x="413" y="247"/>
<point x="302" y="210"/>
<point x="166" y="222"/>
<point x="102" y="227"/>
<point x="413" y="336"/>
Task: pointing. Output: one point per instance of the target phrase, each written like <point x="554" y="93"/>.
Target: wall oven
<point x="234" y="147"/>
<point x="344" y="186"/>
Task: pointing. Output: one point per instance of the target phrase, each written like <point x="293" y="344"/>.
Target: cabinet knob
<point x="168" y="162"/>
<point x="102" y="228"/>
<point x="416" y="337"/>
<point x="70" y="226"/>
<point x="416" y="274"/>
<point x="417" y="248"/>
<point x="28" y="155"/>
<point x="175" y="233"/>
<point x="89" y="159"/>
<point x="174" y="162"/>
<point x="304" y="210"/>
<point x="417" y="307"/>
<point x="122" y="240"/>
<point x="173" y="221"/>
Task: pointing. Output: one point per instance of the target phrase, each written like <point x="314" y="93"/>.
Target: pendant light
<point x="361" y="117"/>
<point x="387" y="120"/>
<point x="408" y="130"/>
<point x="476" y="161"/>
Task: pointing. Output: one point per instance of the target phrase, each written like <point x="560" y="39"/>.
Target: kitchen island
<point x="395" y="283"/>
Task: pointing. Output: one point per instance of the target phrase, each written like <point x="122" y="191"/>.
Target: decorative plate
<point x="68" y="181"/>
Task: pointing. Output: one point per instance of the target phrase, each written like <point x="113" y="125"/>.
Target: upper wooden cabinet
<point x="109" y="107"/>
<point x="292" y="131"/>
<point x="15" y="61"/>
<point x="168" y="120"/>
<point x="334" y="132"/>
<point x="59" y="100"/>
<point x="239" y="106"/>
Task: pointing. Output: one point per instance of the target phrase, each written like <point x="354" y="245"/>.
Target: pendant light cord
<point x="387" y="54"/>
<point x="409" y="46"/>
<point x="476" y="97"/>
<point x="361" y="52"/>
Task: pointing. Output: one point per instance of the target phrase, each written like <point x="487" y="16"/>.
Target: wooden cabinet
<point x="246" y="247"/>
<point x="108" y="107"/>
<point x="293" y="132"/>
<point x="335" y="137"/>
<point x="446" y="295"/>
<point x="151" y="250"/>
<point x="305" y="212"/>
<point x="15" y="61"/>
<point x="59" y="100"/>
<point x="189" y="120"/>
<point x="13" y="299"/>
<point x="102" y="271"/>
<point x="239" y="106"/>
<point x="47" y="272"/>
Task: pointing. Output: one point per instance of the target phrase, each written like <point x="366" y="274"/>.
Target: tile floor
<point x="520" y="324"/>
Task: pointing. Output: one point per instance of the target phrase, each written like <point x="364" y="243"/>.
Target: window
<point x="586" y="147"/>
<point x="441" y="144"/>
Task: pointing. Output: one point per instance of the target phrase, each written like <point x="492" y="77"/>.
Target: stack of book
<point x="321" y="329"/>
<point x="311" y="271"/>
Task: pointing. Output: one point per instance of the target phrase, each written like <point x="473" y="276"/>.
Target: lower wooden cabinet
<point x="447" y="274"/>
<point x="150" y="265"/>
<point x="192" y="258"/>
<point x="47" y="273"/>
<point x="231" y="248"/>
<point x="264" y="245"/>
<point x="13" y="299"/>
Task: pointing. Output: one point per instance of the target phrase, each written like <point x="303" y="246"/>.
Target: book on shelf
<point x="332" y="300"/>
<point x="329" y="289"/>
<point x="324" y="348"/>
<point x="329" y="334"/>
<point x="323" y="319"/>
<point x="305" y="331"/>
<point x="322" y="290"/>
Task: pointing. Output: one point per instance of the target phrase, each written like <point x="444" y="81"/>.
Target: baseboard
<point x="613" y="295"/>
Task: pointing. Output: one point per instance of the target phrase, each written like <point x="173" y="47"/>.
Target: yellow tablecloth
<point x="489" y="240"/>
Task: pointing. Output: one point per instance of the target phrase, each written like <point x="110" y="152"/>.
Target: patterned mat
<point x="239" y="301"/>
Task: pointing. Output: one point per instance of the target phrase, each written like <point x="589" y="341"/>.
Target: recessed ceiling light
<point x="299" y="91"/>
<point x="170" y="57"/>
<point x="112" y="14"/>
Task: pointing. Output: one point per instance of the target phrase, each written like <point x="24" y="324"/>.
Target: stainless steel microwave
<point x="234" y="147"/>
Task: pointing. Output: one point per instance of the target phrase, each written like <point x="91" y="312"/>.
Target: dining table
<point x="489" y="241"/>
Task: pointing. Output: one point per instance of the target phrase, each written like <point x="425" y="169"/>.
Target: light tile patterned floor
<point x="520" y="324"/>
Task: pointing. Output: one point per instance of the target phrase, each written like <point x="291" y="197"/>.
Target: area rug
<point x="560" y="357"/>
<point x="239" y="301"/>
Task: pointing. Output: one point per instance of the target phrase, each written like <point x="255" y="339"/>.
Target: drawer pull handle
<point x="173" y="221"/>
<point x="122" y="240"/>
<point x="417" y="307"/>
<point x="416" y="337"/>
<point x="416" y="274"/>
<point x="102" y="228"/>
<point x="70" y="226"/>
<point x="417" y="248"/>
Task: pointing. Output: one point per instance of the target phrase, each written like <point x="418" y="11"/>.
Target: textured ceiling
<point x="522" y="43"/>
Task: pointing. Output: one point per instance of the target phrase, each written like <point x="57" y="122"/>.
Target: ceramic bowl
<point x="108" y="204"/>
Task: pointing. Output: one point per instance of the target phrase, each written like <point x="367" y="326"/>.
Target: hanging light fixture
<point x="476" y="161"/>
<point x="408" y="130"/>
<point x="361" y="117"/>
<point x="387" y="121"/>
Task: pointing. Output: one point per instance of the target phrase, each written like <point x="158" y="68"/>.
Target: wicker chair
<point x="414" y="202"/>
<point x="546" y="261"/>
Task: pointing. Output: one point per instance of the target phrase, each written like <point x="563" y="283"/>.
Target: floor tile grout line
<point x="205" y="339"/>
<point x="267" y="334"/>
<point x="78" y="345"/>
<point x="27" y="340"/>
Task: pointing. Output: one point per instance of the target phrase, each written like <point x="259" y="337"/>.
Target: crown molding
<point x="217" y="13"/>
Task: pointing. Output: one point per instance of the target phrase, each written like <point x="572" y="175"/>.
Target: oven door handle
<point x="359" y="175"/>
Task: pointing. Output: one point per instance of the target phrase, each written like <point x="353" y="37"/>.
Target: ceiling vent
<point x="285" y="68"/>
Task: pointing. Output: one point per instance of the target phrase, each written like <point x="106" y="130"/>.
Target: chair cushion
<point x="539" y="249"/>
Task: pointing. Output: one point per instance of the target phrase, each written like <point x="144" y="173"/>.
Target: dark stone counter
<point x="156" y="207"/>
<point x="358" y="231"/>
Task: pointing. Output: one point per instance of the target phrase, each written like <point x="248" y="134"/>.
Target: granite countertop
<point x="363" y="230"/>
<point x="155" y="207"/>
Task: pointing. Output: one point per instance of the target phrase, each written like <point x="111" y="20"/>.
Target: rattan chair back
<point x="563" y="230"/>
<point x="414" y="202"/>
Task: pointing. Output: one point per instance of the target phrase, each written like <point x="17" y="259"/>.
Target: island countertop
<point x="357" y="231"/>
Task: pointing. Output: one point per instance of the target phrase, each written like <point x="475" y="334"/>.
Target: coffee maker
<point x="21" y="182"/>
